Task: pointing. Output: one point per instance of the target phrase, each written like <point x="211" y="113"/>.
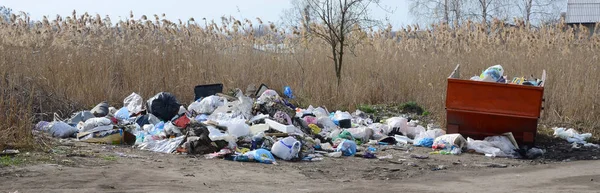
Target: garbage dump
<point x="268" y="128"/>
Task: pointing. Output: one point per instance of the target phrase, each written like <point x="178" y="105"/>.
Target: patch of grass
<point x="411" y="107"/>
<point x="10" y="161"/>
<point x="426" y="113"/>
<point x="109" y="158"/>
<point x="366" y="108"/>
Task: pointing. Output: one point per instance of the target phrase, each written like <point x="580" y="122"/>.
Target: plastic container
<point x="207" y="90"/>
<point x="286" y="148"/>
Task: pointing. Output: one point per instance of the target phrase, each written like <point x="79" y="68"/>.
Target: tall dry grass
<point x="75" y="62"/>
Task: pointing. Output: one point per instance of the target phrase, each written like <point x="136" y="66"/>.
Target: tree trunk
<point x="446" y="13"/>
<point x="484" y="12"/>
<point x="528" y="6"/>
<point x="336" y="63"/>
<point x="339" y="67"/>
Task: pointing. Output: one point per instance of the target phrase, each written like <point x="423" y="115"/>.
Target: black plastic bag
<point x="163" y="105"/>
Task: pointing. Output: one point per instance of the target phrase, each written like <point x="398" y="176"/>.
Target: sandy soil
<point x="80" y="167"/>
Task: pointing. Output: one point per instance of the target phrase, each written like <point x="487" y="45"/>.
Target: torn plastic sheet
<point x="162" y="146"/>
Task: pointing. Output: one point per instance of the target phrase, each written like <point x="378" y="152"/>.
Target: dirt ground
<point x="72" y="166"/>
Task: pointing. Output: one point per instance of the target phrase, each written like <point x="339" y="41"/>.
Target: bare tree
<point x="435" y="11"/>
<point x="538" y="10"/>
<point x="484" y="10"/>
<point x="334" y="21"/>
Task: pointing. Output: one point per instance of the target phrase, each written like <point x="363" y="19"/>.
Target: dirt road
<point x="81" y="167"/>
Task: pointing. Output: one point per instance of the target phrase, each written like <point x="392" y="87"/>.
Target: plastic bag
<point x="571" y="135"/>
<point x="163" y="105"/>
<point x="93" y="123"/>
<point x="122" y="114"/>
<point x="268" y="96"/>
<point x="442" y="142"/>
<point x="207" y="105"/>
<point x="162" y="146"/>
<point x="412" y="132"/>
<point x="362" y="133"/>
<point x="397" y="125"/>
<point x="485" y="147"/>
<point x="287" y="91"/>
<point x="261" y="155"/>
<point x="424" y="142"/>
<point x="61" y="129"/>
<point x="492" y="74"/>
<point x="171" y="129"/>
<point x="320" y="112"/>
<point x="326" y="123"/>
<point x="81" y="116"/>
<point x="216" y="135"/>
<point x="133" y="103"/>
<point x="401" y="139"/>
<point x="339" y="115"/>
<point x="429" y="134"/>
<point x="236" y="127"/>
<point x="347" y="147"/>
<point x="502" y="143"/>
<point x="100" y="110"/>
<point x="242" y="108"/>
<point x="379" y="130"/>
<point x="286" y="148"/>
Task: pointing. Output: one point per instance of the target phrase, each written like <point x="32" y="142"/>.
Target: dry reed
<point x="77" y="61"/>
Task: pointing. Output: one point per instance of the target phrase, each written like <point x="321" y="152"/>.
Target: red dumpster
<point x="479" y="109"/>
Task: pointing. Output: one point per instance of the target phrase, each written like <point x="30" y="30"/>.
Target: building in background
<point x="583" y="12"/>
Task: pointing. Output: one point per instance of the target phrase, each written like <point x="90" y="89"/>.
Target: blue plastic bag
<point x="122" y="114"/>
<point x="425" y="142"/>
<point x="287" y="91"/>
<point x="262" y="156"/>
<point x="347" y="147"/>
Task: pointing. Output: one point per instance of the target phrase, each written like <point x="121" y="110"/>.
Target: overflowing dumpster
<point x="478" y="109"/>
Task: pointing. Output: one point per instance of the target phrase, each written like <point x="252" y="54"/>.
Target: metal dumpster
<point x="479" y="109"/>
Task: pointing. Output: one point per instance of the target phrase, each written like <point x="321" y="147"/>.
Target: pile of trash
<point x="261" y="129"/>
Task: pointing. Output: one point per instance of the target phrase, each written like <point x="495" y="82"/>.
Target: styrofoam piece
<point x="280" y="127"/>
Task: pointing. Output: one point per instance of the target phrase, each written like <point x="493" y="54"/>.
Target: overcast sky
<point x="267" y="10"/>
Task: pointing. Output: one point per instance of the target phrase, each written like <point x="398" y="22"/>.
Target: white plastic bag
<point x="133" y="103"/>
<point x="171" y="129"/>
<point x="363" y="133"/>
<point x="485" y="147"/>
<point x="397" y="122"/>
<point x="571" y="135"/>
<point x="206" y="105"/>
<point x="286" y="148"/>
<point x="320" y="112"/>
<point x="412" y="132"/>
<point x="236" y="127"/>
<point x="429" y="134"/>
<point x="93" y="123"/>
<point x="443" y="141"/>
<point x="216" y="135"/>
<point x="327" y="123"/>
<point x="268" y="96"/>
<point x="502" y="143"/>
<point x="379" y="130"/>
<point x="339" y="115"/>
